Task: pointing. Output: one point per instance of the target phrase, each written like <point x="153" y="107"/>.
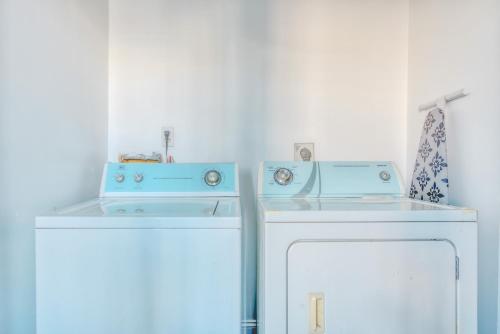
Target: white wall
<point x="239" y="80"/>
<point x="452" y="45"/>
<point x="53" y="128"/>
<point x="243" y="80"/>
<point x="333" y="72"/>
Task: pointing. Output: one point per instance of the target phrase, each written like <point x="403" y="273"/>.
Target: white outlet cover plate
<point x="298" y="148"/>
<point x="170" y="138"/>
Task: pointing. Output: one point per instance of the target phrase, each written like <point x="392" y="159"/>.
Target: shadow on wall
<point x="53" y="127"/>
<point x="6" y="233"/>
<point x="252" y="90"/>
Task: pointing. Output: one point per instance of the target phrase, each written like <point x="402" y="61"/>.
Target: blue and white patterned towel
<point x="430" y="175"/>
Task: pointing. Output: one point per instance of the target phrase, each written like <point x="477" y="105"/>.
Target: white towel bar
<point x="447" y="98"/>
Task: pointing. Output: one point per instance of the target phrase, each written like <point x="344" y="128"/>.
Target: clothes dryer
<point x="342" y="251"/>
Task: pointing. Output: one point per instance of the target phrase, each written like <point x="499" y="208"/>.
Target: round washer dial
<point x="283" y="176"/>
<point x="138" y="178"/>
<point x="119" y="178"/>
<point x="212" y="178"/>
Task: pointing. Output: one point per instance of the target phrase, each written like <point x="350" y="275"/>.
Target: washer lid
<point x="147" y="213"/>
<point x="374" y="209"/>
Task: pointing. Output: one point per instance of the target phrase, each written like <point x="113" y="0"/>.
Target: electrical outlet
<point x="170" y="137"/>
<point x="304" y="151"/>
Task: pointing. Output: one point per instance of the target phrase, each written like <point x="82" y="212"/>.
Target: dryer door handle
<point x="316" y="313"/>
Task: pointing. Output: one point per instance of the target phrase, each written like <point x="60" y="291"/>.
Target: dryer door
<point x="380" y="286"/>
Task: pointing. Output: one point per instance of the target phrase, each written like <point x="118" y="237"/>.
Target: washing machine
<point x="158" y="252"/>
<point x="342" y="251"/>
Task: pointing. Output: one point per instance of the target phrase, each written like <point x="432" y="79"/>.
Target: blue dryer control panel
<point x="179" y="179"/>
<point x="303" y="179"/>
<point x="329" y="179"/>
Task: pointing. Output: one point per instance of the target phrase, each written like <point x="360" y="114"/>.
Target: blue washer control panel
<point x="329" y="179"/>
<point x="191" y="179"/>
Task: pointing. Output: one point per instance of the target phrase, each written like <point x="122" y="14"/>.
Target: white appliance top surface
<point x="212" y="212"/>
<point x="392" y="209"/>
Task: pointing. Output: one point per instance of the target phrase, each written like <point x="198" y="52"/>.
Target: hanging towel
<point x="430" y="175"/>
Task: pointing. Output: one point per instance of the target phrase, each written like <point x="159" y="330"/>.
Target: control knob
<point x="385" y="175"/>
<point x="119" y="178"/>
<point x="212" y="178"/>
<point x="138" y="178"/>
<point x="283" y="176"/>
